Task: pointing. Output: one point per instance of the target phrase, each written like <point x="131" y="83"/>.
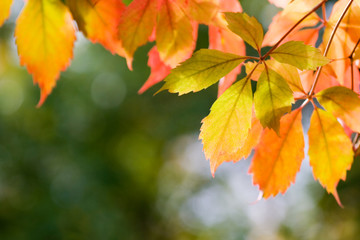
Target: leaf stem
<point x="292" y="29"/>
<point x="351" y="64"/>
<point x="328" y="46"/>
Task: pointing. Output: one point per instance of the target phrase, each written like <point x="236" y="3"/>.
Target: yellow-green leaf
<point x="273" y="98"/>
<point x="5" y="6"/>
<point x="277" y="159"/>
<point x="343" y="103"/>
<point x="225" y="130"/>
<point x="248" y="28"/>
<point x="202" y="70"/>
<point x="330" y="150"/>
<point x="299" y="55"/>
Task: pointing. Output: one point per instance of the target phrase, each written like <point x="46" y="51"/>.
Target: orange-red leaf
<point x="277" y="159"/>
<point x="159" y="70"/>
<point x="330" y="150"/>
<point x="5" y="6"/>
<point x="136" y="25"/>
<point x="99" y="20"/>
<point x="175" y="40"/>
<point x="45" y="37"/>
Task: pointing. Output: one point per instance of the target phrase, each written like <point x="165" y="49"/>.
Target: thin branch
<point x="351" y="56"/>
<point x="293" y="27"/>
<point x="328" y="46"/>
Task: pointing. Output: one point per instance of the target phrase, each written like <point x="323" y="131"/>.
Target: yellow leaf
<point x="5" y="6"/>
<point x="273" y="98"/>
<point x="202" y="70"/>
<point x="330" y="150"/>
<point x="248" y="28"/>
<point x="342" y="103"/>
<point x="225" y="130"/>
<point x="45" y="37"/>
<point x="99" y="20"/>
<point x="277" y="159"/>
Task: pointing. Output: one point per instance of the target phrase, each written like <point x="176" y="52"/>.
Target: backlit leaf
<point x="202" y="70"/>
<point x="300" y="55"/>
<point x="136" y="25"/>
<point x="225" y="130"/>
<point x="273" y="98"/>
<point x="99" y="20"/>
<point x="174" y="34"/>
<point x="45" y="37"/>
<point x="248" y="28"/>
<point x="342" y="103"/>
<point x="277" y="159"/>
<point x="5" y="6"/>
<point x="330" y="150"/>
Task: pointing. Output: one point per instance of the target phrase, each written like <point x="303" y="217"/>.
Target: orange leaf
<point x="136" y="25"/>
<point x="330" y="150"/>
<point x="5" y="6"/>
<point x="45" y="47"/>
<point x="159" y="70"/>
<point x="277" y="159"/>
<point x="99" y="20"/>
<point x="280" y="3"/>
<point x="175" y="40"/>
<point x="203" y="11"/>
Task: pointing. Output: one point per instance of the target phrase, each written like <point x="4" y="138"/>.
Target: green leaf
<point x="299" y="55"/>
<point x="343" y="103"/>
<point x="202" y="70"/>
<point x="225" y="130"/>
<point x="248" y="28"/>
<point x="273" y="98"/>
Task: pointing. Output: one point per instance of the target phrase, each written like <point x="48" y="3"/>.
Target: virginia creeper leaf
<point x="299" y="55"/>
<point x="136" y="25"/>
<point x="342" y="103"/>
<point x="330" y="150"/>
<point x="5" y="6"/>
<point x="202" y="70"/>
<point x="202" y="11"/>
<point x="248" y="28"/>
<point x="174" y="34"/>
<point x="225" y="129"/>
<point x="277" y="159"/>
<point x="159" y="70"/>
<point x="45" y="36"/>
<point x="273" y="98"/>
<point x="99" y="20"/>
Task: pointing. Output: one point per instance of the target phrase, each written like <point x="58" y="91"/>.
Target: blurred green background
<point x="99" y="161"/>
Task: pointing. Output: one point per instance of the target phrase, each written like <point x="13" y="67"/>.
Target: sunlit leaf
<point x="273" y="98"/>
<point x="330" y="150"/>
<point x="99" y="20"/>
<point x="225" y="130"/>
<point x="45" y="37"/>
<point x="202" y="70"/>
<point x="277" y="159"/>
<point x="5" y="6"/>
<point x="248" y="28"/>
<point x="299" y="55"/>
<point x="342" y="103"/>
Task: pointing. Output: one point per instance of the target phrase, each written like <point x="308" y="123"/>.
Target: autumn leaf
<point x="273" y="98"/>
<point x="342" y="103"/>
<point x="280" y="3"/>
<point x="45" y="37"/>
<point x="202" y="11"/>
<point x="202" y="70"/>
<point x="225" y="130"/>
<point x="5" y="6"/>
<point x="277" y="159"/>
<point x="248" y="28"/>
<point x="159" y="70"/>
<point x="299" y="55"/>
<point x="330" y="150"/>
<point x="99" y="20"/>
<point x="175" y="40"/>
<point x="136" y="25"/>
